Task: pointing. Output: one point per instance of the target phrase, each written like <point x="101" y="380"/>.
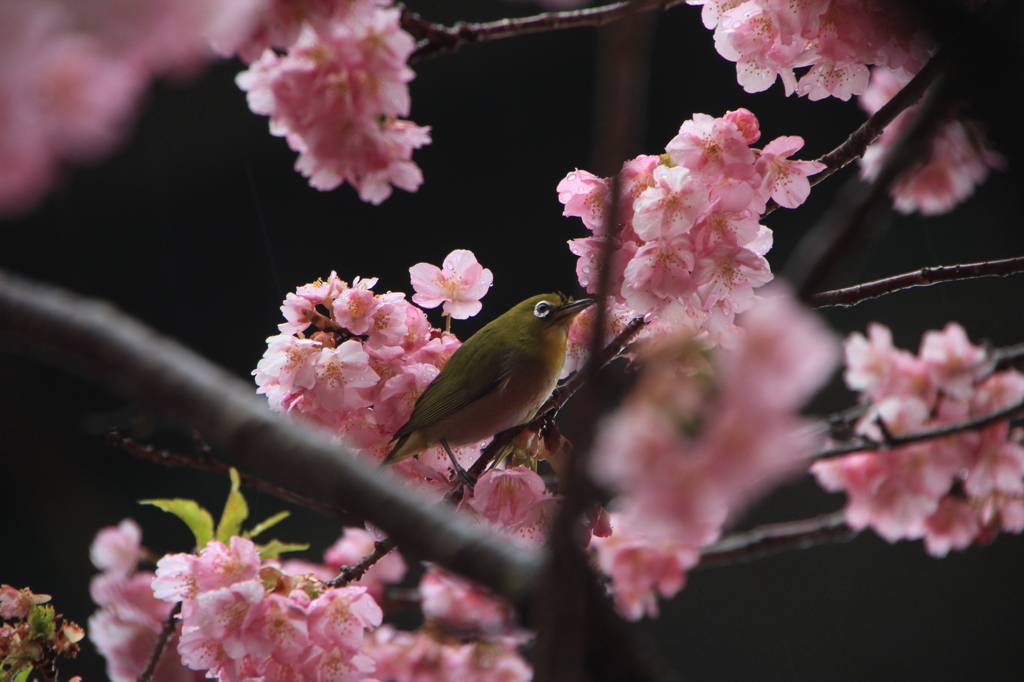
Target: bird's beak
<point x="571" y="310"/>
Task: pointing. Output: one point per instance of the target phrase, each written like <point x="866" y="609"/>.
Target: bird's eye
<point x="542" y="309"/>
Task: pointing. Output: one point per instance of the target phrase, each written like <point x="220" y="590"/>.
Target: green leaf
<point x="268" y="524"/>
<point x="198" y="520"/>
<point x="275" y="548"/>
<point x="235" y="511"/>
<point x="23" y="674"/>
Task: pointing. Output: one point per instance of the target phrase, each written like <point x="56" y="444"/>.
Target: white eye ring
<point x="542" y="309"/>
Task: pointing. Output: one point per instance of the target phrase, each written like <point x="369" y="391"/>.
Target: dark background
<point x="199" y="226"/>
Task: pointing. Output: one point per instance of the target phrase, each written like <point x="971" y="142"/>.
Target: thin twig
<point x="438" y="39"/>
<point x="924" y="277"/>
<point x="580" y="636"/>
<point x="355" y="572"/>
<point x="1006" y="357"/>
<point x="166" y="633"/>
<point x="865" y="444"/>
<point x="853" y="147"/>
<point x="207" y="463"/>
<point x="854" y="216"/>
<point x="775" y="538"/>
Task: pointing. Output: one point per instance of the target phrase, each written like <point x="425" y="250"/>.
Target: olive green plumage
<point x="497" y="379"/>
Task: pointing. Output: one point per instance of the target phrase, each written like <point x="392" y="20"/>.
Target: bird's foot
<point x="464" y="477"/>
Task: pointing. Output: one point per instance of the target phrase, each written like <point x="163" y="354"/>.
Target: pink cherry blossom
<point x="354" y="310"/>
<point x="659" y="271"/>
<point x="954" y="525"/>
<point x="732" y="273"/>
<point x="425" y="657"/>
<point x="716" y="438"/>
<point x="705" y="145"/>
<point x="130" y="617"/>
<point x="750" y="34"/>
<point x="746" y="123"/>
<point x="117" y="549"/>
<point x="221" y="613"/>
<point x="219" y="565"/>
<point x="462" y="604"/>
<point x="958" y="160"/>
<point x="584" y="195"/>
<point x="952" y="361"/>
<point x="837" y="39"/>
<point x="947" y="490"/>
<point x="339" y="617"/>
<point x="641" y="569"/>
<point x="504" y="496"/>
<point x="339" y="373"/>
<point x="459" y="284"/>
<point x="362" y="388"/>
<point x="784" y="180"/>
<point x="337" y="96"/>
<point x="670" y="207"/>
<point x="690" y="251"/>
<point x="731" y="217"/>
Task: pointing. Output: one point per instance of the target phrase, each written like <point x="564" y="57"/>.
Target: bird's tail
<point x="393" y="456"/>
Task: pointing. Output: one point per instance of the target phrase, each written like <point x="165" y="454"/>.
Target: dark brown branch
<point x="123" y="354"/>
<point x="355" y="573"/>
<point x="207" y="463"/>
<point x="580" y="636"/>
<point x="857" y="215"/>
<point x="438" y="39"/>
<point x="864" y="443"/>
<point x="771" y="539"/>
<point x="163" y="640"/>
<point x="924" y="277"/>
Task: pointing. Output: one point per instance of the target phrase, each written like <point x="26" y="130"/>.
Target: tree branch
<point x="924" y="277"/>
<point x="173" y="459"/>
<point x="865" y="444"/>
<point x="355" y="573"/>
<point x="120" y="352"/>
<point x="855" y="215"/>
<point x="771" y="539"/>
<point x="438" y="39"/>
<point x="164" y="639"/>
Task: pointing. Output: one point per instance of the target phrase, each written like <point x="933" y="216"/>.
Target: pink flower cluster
<point x="338" y="93"/>
<point x="958" y="159"/>
<point x="689" y="447"/>
<point x="690" y="248"/>
<point x="465" y="608"/>
<point x="953" y="491"/>
<point x="72" y="75"/>
<point x="243" y="620"/>
<point x="837" y="39"/>
<point x="126" y="626"/>
<point x="361" y="374"/>
<point x="429" y="656"/>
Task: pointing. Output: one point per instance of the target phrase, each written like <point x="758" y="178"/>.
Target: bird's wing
<point x="443" y="398"/>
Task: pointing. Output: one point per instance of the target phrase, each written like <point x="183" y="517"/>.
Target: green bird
<point x="497" y="379"/>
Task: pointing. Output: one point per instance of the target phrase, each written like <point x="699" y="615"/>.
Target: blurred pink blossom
<point x="693" y="444"/>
